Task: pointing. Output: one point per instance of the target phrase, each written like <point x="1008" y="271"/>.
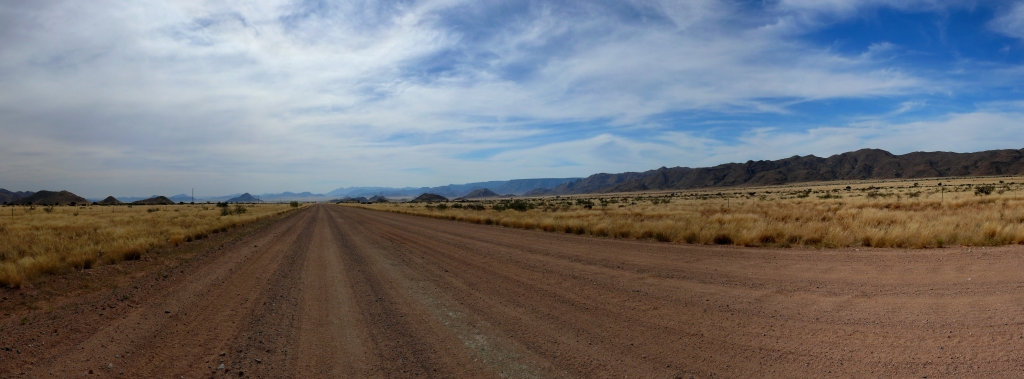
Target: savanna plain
<point x="896" y="213"/>
<point x="856" y="279"/>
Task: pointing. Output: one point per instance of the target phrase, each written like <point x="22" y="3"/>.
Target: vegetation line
<point x="919" y="214"/>
<point x="52" y="239"/>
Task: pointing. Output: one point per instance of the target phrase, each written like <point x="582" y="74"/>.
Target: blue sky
<point x="126" y="98"/>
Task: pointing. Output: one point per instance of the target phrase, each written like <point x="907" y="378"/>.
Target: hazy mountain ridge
<point x="862" y="164"/>
<point x="514" y="187"/>
<point x="51" y="198"/>
<point x="12" y="196"/>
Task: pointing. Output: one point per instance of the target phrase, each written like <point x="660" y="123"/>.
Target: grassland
<point x="899" y="213"/>
<point x="50" y="240"/>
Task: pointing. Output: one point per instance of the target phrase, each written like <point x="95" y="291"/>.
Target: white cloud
<point x="1011" y="21"/>
<point x="139" y="98"/>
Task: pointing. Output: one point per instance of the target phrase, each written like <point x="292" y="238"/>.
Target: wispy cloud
<point x="138" y="98"/>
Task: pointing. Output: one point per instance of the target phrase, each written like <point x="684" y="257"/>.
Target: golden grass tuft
<point x="34" y="243"/>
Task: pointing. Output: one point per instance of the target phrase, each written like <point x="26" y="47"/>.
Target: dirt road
<point x="343" y="292"/>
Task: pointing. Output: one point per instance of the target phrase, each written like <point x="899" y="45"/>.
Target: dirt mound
<point x="159" y="200"/>
<point x="483" y="192"/>
<point x="110" y="200"/>
<point x="52" y="198"/>
<point x="429" y="197"/>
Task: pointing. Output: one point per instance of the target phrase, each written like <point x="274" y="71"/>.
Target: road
<point x="334" y="291"/>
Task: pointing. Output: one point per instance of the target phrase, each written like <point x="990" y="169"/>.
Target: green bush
<point x="294" y="204"/>
<point x="520" y="206"/>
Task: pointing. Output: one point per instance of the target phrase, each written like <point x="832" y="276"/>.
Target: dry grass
<point x="910" y="213"/>
<point x="34" y="241"/>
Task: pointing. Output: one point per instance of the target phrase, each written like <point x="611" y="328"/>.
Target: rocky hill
<point x="245" y="198"/>
<point x="429" y="197"/>
<point x="159" y="200"/>
<point x="857" y="165"/>
<point x="483" y="192"/>
<point x="110" y="200"/>
<point x="52" y="198"/>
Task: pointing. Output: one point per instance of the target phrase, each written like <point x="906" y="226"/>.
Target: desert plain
<point x="333" y="290"/>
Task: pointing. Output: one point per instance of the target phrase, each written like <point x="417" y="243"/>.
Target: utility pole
<point x="193" y="196"/>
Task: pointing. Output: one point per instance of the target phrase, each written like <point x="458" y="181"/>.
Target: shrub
<point x="984" y="190"/>
<point x="240" y="209"/>
<point x="520" y="206"/>
<point x="294" y="204"/>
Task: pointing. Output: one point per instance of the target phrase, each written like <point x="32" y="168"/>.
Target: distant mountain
<point x="9" y="196"/>
<point x="378" y="199"/>
<point x="483" y="192"/>
<point x="353" y="191"/>
<point x="156" y="200"/>
<point x="110" y="200"/>
<point x="131" y="199"/>
<point x="292" y="196"/>
<point x="52" y="198"/>
<point x="244" y="198"/>
<point x="429" y="197"/>
<point x="354" y="200"/>
<point x="515" y="187"/>
<point x="181" y="198"/>
<point x="593" y="183"/>
<point x="857" y="165"/>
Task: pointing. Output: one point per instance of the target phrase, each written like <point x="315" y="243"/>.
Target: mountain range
<point x="857" y="165"/>
<point x="865" y="164"/>
<point x="514" y="187"/>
